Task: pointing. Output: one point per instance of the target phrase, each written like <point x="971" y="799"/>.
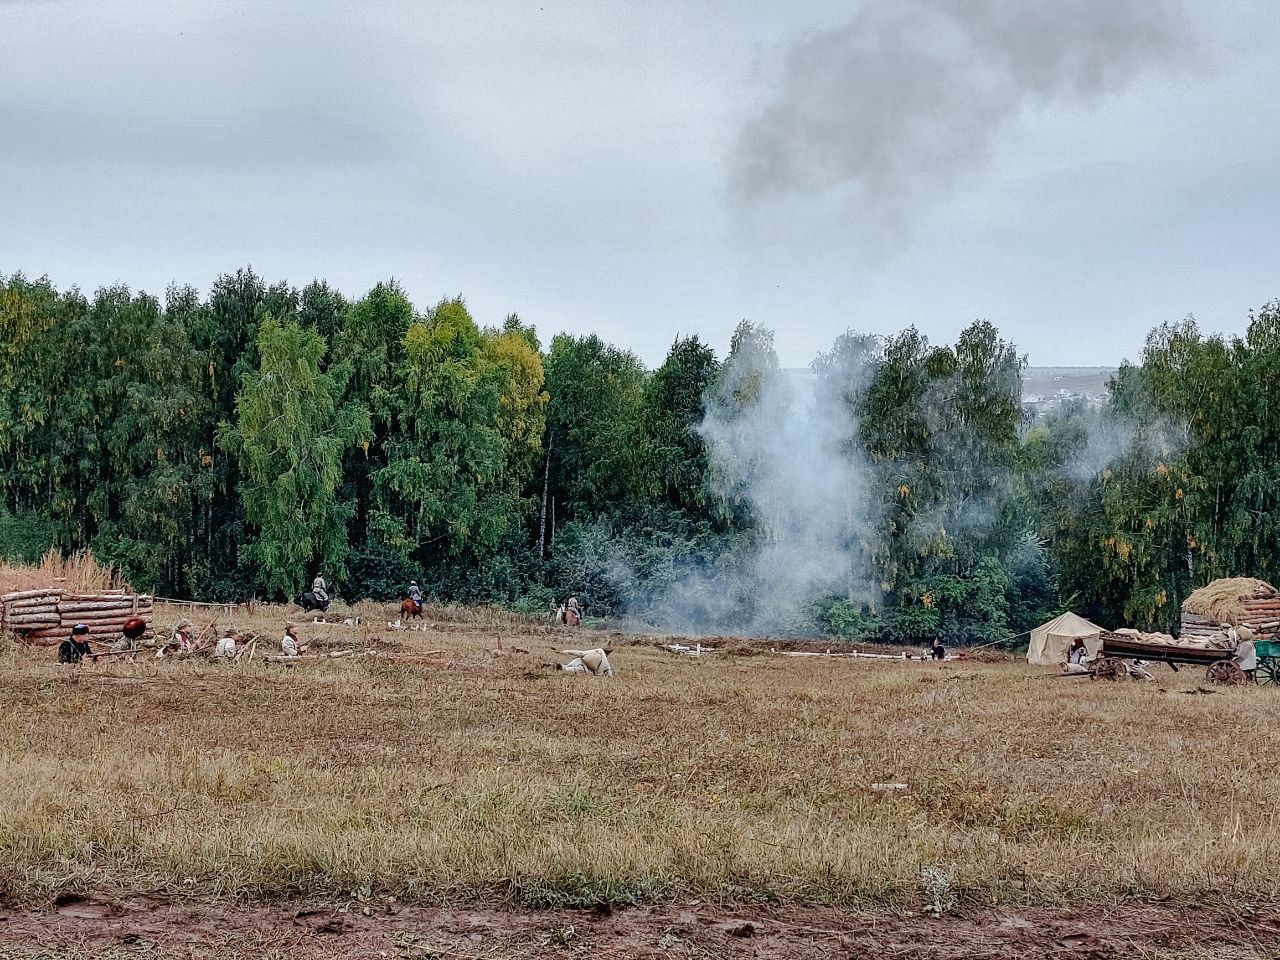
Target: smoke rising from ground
<point x="897" y="106"/>
<point x="782" y="446"/>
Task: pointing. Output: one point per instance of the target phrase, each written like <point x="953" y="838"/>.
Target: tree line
<point x="236" y="444"/>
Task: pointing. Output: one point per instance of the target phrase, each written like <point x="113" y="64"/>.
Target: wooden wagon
<point x="1218" y="663"/>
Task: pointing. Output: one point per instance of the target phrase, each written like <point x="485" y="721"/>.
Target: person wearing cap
<point x="573" y="613"/>
<point x="228" y="647"/>
<point x="76" y="647"/>
<point x="414" y="592"/>
<point x="290" y="647"/>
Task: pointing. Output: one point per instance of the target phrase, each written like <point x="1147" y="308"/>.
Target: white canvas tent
<point x="1050" y="641"/>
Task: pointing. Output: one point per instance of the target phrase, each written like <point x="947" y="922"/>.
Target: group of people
<point x="230" y="646"/>
<point x="233" y="645"/>
<point x="76" y="647"/>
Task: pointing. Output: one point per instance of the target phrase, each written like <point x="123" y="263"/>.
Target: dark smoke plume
<point x="897" y="106"/>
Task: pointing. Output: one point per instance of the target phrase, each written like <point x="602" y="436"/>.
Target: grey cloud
<point x="896" y="106"/>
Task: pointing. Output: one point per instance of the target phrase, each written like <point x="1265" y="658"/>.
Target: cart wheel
<point x="1269" y="670"/>
<point x="1109" y="668"/>
<point x="1225" y="672"/>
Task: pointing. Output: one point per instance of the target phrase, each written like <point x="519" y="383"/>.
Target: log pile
<point x="46" y="616"/>
<point x="1237" y="602"/>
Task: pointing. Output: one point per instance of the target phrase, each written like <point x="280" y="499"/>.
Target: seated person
<point x="228" y="647"/>
<point x="76" y="647"/>
<point x="1077" y="657"/>
<point x="290" y="647"/>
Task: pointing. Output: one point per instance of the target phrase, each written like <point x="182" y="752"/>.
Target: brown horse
<point x="409" y="609"/>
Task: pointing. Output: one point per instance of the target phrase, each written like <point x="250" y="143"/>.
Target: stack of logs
<point x="47" y="616"/>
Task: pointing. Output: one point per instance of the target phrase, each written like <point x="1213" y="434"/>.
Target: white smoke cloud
<point x="782" y="444"/>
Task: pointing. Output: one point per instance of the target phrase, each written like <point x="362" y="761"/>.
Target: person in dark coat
<point x="76" y="647"/>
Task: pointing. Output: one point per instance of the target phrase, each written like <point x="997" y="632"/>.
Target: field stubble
<point x="490" y="779"/>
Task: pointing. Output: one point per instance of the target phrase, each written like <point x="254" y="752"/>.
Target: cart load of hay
<point x="46" y="615"/>
<point x="1234" y="602"/>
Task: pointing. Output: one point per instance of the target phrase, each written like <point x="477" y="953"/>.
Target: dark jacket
<point x="73" y="650"/>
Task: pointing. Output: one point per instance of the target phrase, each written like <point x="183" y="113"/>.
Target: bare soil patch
<point x="113" y="927"/>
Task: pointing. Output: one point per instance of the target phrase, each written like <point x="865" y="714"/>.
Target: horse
<point x="409" y="609"/>
<point x="309" y="601"/>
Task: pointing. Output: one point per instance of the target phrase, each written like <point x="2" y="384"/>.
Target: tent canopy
<point x="1050" y="641"/>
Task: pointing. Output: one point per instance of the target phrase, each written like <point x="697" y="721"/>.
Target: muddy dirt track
<point x="119" y="927"/>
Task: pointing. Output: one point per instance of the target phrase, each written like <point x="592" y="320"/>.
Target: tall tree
<point x="596" y="393"/>
<point x="290" y="434"/>
<point x="673" y="451"/>
<point x="441" y="494"/>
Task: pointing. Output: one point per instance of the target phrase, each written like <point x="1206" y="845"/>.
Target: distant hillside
<point x="1082" y="381"/>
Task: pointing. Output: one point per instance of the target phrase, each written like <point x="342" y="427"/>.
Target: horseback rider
<point x="414" y="592"/>
<point x="320" y="588"/>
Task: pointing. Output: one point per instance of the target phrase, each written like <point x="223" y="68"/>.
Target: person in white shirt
<point x="1246" y="653"/>
<point x="595" y="662"/>
<point x="289" y="644"/>
<point x="1076" y="657"/>
<point x="228" y="647"/>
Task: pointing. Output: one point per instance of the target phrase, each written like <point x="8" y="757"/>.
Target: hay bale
<point x="1224" y="601"/>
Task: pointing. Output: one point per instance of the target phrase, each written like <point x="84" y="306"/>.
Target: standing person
<point x="76" y="647"/>
<point x="290" y="646"/>
<point x="1246" y="655"/>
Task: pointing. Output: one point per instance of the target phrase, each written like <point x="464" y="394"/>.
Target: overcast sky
<point x="1075" y="171"/>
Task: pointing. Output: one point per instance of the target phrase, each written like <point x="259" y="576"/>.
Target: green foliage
<point x="24" y="537"/>
<point x="593" y="418"/>
<point x="446" y="490"/>
<point x="215" y="447"/>
<point x="840" y="617"/>
<point x="290" y="436"/>
<point x="673" y="452"/>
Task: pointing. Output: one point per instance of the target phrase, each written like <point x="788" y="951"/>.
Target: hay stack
<point x="1238" y="601"/>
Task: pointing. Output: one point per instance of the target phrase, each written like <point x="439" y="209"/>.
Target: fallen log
<point x="101" y="618"/>
<point x="25" y="594"/>
<point x="336" y="655"/>
<point x="81" y="608"/>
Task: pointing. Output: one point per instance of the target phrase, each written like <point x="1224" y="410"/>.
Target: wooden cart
<point x="1218" y="663"/>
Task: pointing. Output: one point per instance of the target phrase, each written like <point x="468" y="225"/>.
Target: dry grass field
<point x="443" y="773"/>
